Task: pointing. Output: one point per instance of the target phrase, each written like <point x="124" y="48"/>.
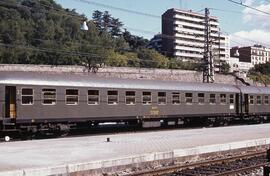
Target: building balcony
<point x="195" y="19"/>
<point x="181" y="54"/>
<point x="191" y="31"/>
<point x="193" y="37"/>
<point x="186" y="48"/>
<point x="198" y="26"/>
<point x="189" y="43"/>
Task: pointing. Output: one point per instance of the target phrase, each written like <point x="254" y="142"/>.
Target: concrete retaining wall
<point x="125" y="72"/>
<point x="118" y="164"/>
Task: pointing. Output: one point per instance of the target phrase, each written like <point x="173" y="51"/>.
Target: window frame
<point x="33" y="96"/>
<point x="78" y="102"/>
<point x="186" y="98"/>
<point x="161" y="97"/>
<point x="221" y="99"/>
<point x="231" y="98"/>
<point x="179" y="98"/>
<point x="134" y="96"/>
<point x="265" y="99"/>
<point x="147" y="95"/>
<point x="258" y="99"/>
<point x="251" y="98"/>
<point x="98" y="102"/>
<point x="42" y="97"/>
<point x="211" y="98"/>
<point x="199" y="98"/>
<point x="113" y="104"/>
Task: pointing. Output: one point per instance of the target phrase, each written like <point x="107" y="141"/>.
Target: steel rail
<point x="240" y="170"/>
<point x="174" y="168"/>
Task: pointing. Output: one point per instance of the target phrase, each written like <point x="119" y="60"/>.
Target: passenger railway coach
<point x="33" y="102"/>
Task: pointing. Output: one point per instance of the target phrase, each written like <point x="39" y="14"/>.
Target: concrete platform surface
<point x="18" y="157"/>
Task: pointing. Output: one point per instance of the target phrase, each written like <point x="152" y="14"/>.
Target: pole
<point x="208" y="69"/>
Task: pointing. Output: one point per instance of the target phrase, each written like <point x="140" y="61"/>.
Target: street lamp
<point x="84" y="26"/>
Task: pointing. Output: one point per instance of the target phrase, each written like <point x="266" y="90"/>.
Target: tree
<point x="260" y="73"/>
<point x="152" y="59"/>
<point x="97" y="19"/>
<point x="225" y="68"/>
<point x="116" y="26"/>
<point x="106" y="21"/>
<point x="134" y="42"/>
<point x="116" y="59"/>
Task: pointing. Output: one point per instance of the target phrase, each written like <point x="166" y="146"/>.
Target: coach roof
<point x="80" y="80"/>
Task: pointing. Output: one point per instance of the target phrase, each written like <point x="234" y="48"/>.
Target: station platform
<point x="71" y="155"/>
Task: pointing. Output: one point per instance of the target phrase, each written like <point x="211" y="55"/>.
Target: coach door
<point x="237" y="109"/>
<point x="246" y="104"/>
<point x="10" y="102"/>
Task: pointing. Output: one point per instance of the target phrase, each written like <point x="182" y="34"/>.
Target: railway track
<point x="218" y="167"/>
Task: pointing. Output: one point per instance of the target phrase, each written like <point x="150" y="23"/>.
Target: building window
<point x="27" y="96"/>
<point x="175" y="98"/>
<point x="259" y="100"/>
<point x="212" y="99"/>
<point x="93" y="97"/>
<point x="251" y="99"/>
<point x="72" y="97"/>
<point x="112" y="97"/>
<point x="161" y="98"/>
<point x="130" y="97"/>
<point x="189" y="98"/>
<point x="49" y="96"/>
<point x="231" y="99"/>
<point x="266" y="100"/>
<point x="201" y="98"/>
<point x="147" y="98"/>
<point x="222" y="98"/>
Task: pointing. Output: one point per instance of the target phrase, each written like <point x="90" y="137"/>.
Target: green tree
<point x="97" y="19"/>
<point x="152" y="59"/>
<point x="116" y="59"/>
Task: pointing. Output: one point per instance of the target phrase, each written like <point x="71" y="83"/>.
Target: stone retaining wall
<point x="126" y="72"/>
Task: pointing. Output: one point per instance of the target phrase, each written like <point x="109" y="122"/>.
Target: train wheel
<point x="7" y="138"/>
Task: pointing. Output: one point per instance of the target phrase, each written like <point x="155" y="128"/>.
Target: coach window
<point x="147" y="98"/>
<point x="49" y="96"/>
<point x="72" y="96"/>
<point x="112" y="97"/>
<point x="161" y="98"/>
<point x="212" y="98"/>
<point x="130" y="97"/>
<point x="201" y="98"/>
<point x="251" y="100"/>
<point x="175" y="98"/>
<point x="93" y="97"/>
<point x="259" y="100"/>
<point x="188" y="98"/>
<point x="231" y="99"/>
<point x="222" y="98"/>
<point x="27" y="96"/>
<point x="266" y="100"/>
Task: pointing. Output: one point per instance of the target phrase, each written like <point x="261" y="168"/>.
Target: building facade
<point x="256" y="54"/>
<point x="238" y="66"/>
<point x="183" y="36"/>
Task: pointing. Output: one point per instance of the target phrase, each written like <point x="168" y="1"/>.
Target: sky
<point x="245" y="26"/>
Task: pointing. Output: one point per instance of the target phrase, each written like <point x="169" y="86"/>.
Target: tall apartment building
<point x="256" y="54"/>
<point x="183" y="36"/>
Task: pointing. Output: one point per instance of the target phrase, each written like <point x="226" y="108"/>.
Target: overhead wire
<point x="250" y="7"/>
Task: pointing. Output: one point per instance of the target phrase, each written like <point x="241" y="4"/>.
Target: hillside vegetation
<point x="42" y="32"/>
<point x="261" y="73"/>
